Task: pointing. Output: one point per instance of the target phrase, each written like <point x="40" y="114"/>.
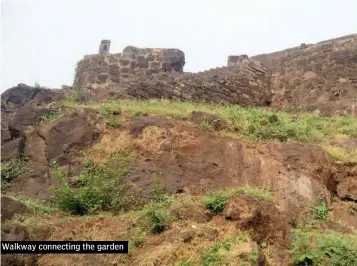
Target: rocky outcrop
<point x="266" y="221"/>
<point x="10" y="207"/>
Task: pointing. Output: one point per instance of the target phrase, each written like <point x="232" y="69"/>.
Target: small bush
<point x="102" y="188"/>
<point x="158" y="219"/>
<point x="12" y="169"/>
<point x="216" y="201"/>
<point x="50" y="116"/>
<point x="321" y="212"/>
<point x="329" y="249"/>
<point x="158" y="194"/>
<point x="112" y="123"/>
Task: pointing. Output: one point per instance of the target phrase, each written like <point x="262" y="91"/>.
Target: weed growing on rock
<point x="330" y="249"/>
<point x="101" y="188"/>
<point x="321" y="212"/>
<point x="50" y="116"/>
<point x="12" y="169"/>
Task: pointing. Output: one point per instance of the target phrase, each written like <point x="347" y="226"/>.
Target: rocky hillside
<point x="187" y="182"/>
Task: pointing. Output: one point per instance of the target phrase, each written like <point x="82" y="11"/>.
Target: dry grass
<point x="86" y="228"/>
<point x="152" y="140"/>
<point x="340" y="154"/>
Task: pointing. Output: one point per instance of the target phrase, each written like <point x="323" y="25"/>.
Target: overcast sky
<point x="42" y="40"/>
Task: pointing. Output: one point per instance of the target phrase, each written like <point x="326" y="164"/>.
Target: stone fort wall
<point x="320" y="77"/>
<point x="158" y="73"/>
<point x="111" y="69"/>
<point x="311" y="77"/>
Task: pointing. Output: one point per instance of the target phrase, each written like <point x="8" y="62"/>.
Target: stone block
<point x="124" y="62"/>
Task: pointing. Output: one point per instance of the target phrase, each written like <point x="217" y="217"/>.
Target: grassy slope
<point x="249" y="123"/>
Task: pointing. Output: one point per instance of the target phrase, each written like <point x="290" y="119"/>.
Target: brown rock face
<point x="68" y="133"/>
<point x="10" y="207"/>
<point x="266" y="220"/>
<point x="25" y="116"/>
<point x="58" y="141"/>
<point x="11" y="149"/>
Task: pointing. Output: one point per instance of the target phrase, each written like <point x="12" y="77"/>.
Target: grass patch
<point x="329" y="248"/>
<point x="38" y="206"/>
<point x="12" y="169"/>
<point x="340" y="154"/>
<point x="217" y="200"/>
<point x="51" y="115"/>
<point x="249" y="123"/>
<point x="112" y="123"/>
<point x="101" y="188"/>
<point x="216" y="254"/>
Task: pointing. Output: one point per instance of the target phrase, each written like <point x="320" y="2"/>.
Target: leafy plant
<point x="158" y="219"/>
<point x="216" y="201"/>
<point x="102" y="188"/>
<point x="330" y="249"/>
<point x="321" y="212"/>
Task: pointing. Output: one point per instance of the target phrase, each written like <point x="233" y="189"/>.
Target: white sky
<point x="41" y="40"/>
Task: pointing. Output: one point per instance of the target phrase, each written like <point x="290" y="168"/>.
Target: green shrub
<point x="216" y="201"/>
<point x="112" y="123"/>
<point x="329" y="249"/>
<point x="321" y="212"/>
<point x="51" y="115"/>
<point x="101" y="188"/>
<point x="158" y="194"/>
<point x="12" y="169"/>
<point x="158" y="219"/>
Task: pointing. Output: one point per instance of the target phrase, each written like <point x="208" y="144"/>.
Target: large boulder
<point x="217" y="122"/>
<point x="10" y="207"/>
<point x="25" y="116"/>
<point x="70" y="133"/>
<point x="265" y="220"/>
<point x="11" y="149"/>
<point x="16" y="97"/>
<point x="138" y="124"/>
